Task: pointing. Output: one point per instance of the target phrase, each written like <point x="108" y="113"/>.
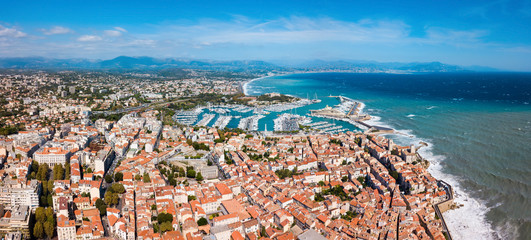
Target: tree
<point x="190" y="173"/>
<point x="191" y="198"/>
<point x="173" y="182"/>
<point x="146" y="178"/>
<point x="108" y="178"/>
<point x="118" y="177"/>
<point x="117" y="188"/>
<point x="50" y="186"/>
<point x="138" y="177"/>
<point x="166" y="226"/>
<point x="34" y="166"/>
<point x="111" y="198"/>
<point x="42" y="174"/>
<point x="67" y="171"/>
<point x="49" y="228"/>
<point x="103" y="209"/>
<point x="40" y="214"/>
<point x="394" y="152"/>
<point x="49" y="200"/>
<point x="199" y="177"/>
<point x="319" y="197"/>
<point x="58" y="172"/>
<point x="100" y="203"/>
<point x="362" y="181"/>
<point x="202" y="221"/>
<point x="321" y="183"/>
<point x="49" y="214"/>
<point x="344" y="178"/>
<point x="164" y="217"/>
<point x="38" y="230"/>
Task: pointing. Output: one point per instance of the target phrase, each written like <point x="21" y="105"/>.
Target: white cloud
<point x="443" y="35"/>
<point x="288" y="31"/>
<point x="56" y="30"/>
<point x="120" y="29"/>
<point x="11" y="32"/>
<point x="112" y="33"/>
<point x="89" y="38"/>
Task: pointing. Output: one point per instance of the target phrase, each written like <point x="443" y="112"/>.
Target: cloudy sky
<point x="486" y="33"/>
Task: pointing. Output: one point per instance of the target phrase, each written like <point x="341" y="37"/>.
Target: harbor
<point x="333" y="114"/>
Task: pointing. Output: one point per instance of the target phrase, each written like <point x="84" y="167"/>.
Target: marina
<point x="345" y="110"/>
<point x="250" y="123"/>
<point x="222" y="122"/>
<point x="206" y="119"/>
<point x="187" y="117"/>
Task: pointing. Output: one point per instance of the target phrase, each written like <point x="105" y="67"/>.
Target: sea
<point x="477" y="126"/>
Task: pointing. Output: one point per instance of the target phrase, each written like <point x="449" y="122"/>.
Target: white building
<point x="14" y="193"/>
<point x="52" y="156"/>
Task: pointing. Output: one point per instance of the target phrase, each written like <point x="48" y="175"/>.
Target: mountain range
<point x="150" y="63"/>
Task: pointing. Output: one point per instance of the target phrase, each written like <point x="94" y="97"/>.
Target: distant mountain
<point x="42" y="63"/>
<point x="150" y="63"/>
<point x="372" y="66"/>
<point x="431" y="67"/>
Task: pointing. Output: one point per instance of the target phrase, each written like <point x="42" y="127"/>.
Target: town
<point x="97" y="155"/>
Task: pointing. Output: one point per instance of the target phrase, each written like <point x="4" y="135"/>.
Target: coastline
<point x="246" y="83"/>
<point x="467" y="222"/>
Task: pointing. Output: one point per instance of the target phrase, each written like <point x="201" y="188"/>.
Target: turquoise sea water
<point x="478" y="126"/>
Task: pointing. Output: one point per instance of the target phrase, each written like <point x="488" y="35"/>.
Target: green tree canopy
<point x="202" y="221"/>
<point x="166" y="226"/>
<point x="49" y="228"/>
<point x="42" y="173"/>
<point x="108" y="178"/>
<point x="67" y="171"/>
<point x="117" y="188"/>
<point x="58" y="172"/>
<point x="111" y="198"/>
<point x="118" y="177"/>
<point x="190" y="173"/>
<point x="164" y="217"/>
<point x="146" y="178"/>
<point x="38" y="230"/>
<point x="40" y="214"/>
<point x="199" y="177"/>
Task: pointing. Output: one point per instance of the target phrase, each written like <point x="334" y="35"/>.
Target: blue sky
<point x="487" y="33"/>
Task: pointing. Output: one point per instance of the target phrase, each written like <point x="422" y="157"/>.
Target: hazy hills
<point x="149" y="63"/>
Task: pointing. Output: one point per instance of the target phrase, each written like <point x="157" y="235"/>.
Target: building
<point x="16" y="193"/>
<point x="103" y="161"/>
<point x="209" y="172"/>
<point x="66" y="229"/>
<point x="52" y="156"/>
<point x="15" y="221"/>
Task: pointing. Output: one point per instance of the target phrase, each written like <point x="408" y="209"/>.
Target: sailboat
<point x="316" y="100"/>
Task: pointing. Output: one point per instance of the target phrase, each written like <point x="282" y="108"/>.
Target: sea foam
<point x="469" y="220"/>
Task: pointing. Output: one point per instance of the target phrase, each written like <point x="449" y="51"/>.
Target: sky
<point x="467" y="33"/>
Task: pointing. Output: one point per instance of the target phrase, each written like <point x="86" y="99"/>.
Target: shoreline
<point x="466" y="222"/>
<point x="246" y="83"/>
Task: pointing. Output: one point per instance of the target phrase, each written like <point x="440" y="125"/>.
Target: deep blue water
<point x="478" y="126"/>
